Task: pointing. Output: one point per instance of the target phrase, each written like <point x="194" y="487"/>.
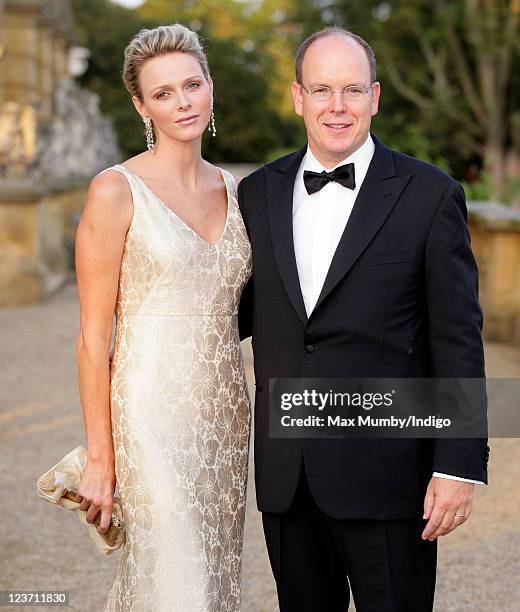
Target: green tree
<point x="247" y="128"/>
<point x="251" y="111"/>
<point x="455" y="66"/>
<point x="106" y="28"/>
<point x="249" y="121"/>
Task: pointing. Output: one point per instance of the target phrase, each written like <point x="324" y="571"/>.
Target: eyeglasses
<point x="352" y="92"/>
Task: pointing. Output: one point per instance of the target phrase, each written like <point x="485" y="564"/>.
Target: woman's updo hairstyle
<point x="159" y="41"/>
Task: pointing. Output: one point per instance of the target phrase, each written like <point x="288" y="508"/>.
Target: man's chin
<point x="335" y="149"/>
<point x="339" y="148"/>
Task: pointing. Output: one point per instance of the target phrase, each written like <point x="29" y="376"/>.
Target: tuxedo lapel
<point x="377" y="196"/>
<point x="280" y="177"/>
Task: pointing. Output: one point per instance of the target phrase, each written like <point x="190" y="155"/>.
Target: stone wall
<point x="36" y="36"/>
<point x="53" y="139"/>
<point x="495" y="234"/>
<point x="21" y="273"/>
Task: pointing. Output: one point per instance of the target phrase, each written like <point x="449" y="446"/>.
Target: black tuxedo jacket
<point x="399" y="300"/>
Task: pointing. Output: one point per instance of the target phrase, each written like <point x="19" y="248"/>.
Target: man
<point x="363" y="272"/>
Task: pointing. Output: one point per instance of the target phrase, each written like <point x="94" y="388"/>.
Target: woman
<point x="161" y="242"/>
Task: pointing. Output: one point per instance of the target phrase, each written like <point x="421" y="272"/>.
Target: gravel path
<point x="42" y="548"/>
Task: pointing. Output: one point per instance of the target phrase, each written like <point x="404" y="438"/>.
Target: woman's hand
<point x="96" y="492"/>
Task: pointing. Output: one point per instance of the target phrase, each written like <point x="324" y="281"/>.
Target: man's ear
<point x="376" y="92"/>
<point x="297" y="98"/>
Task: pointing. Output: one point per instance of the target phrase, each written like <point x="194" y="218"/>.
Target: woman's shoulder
<point x="114" y="181"/>
<point x="229" y="179"/>
<point x="218" y="172"/>
<point x="138" y="164"/>
<point x="230" y="176"/>
<point x="110" y="184"/>
<point x="109" y="192"/>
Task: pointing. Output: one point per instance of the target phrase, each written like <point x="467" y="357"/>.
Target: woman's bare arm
<point x="99" y="249"/>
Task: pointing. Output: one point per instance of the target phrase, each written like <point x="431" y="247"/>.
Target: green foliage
<point x="247" y="125"/>
<point x="106" y="29"/>
<point x="247" y="128"/>
<point x="453" y="69"/>
<point x="480" y="189"/>
<point x="424" y="108"/>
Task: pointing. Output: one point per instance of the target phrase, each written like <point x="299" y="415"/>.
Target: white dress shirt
<point x="319" y="220"/>
<point x="318" y="224"/>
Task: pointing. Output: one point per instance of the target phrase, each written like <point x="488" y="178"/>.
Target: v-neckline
<point x="179" y="218"/>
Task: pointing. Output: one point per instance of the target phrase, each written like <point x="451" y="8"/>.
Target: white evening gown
<point x="180" y="411"/>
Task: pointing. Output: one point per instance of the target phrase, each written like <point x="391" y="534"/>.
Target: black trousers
<point x="315" y="558"/>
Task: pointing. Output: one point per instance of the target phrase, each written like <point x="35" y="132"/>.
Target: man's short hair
<point x="333" y="31"/>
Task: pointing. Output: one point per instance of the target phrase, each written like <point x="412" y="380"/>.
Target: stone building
<point x="53" y="139"/>
<point x="495" y="235"/>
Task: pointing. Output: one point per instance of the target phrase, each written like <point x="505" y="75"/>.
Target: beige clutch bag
<point x="59" y="486"/>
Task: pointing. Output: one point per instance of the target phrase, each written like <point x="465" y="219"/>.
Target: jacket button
<point x="310" y="348"/>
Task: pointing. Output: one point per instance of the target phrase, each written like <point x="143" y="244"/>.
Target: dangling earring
<point x="149" y="133"/>
<point x="211" y="126"/>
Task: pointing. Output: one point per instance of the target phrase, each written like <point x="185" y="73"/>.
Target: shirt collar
<point x="361" y="158"/>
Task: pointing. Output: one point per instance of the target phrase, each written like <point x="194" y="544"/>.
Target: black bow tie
<point x="344" y="175"/>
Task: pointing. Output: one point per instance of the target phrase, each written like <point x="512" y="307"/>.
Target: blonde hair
<point x="159" y="41"/>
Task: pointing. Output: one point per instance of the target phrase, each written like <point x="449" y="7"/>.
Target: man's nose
<point x="338" y="102"/>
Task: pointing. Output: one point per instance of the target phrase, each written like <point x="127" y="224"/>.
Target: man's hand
<point x="447" y="505"/>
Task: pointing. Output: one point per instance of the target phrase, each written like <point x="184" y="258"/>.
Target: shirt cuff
<point x="449" y="477"/>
